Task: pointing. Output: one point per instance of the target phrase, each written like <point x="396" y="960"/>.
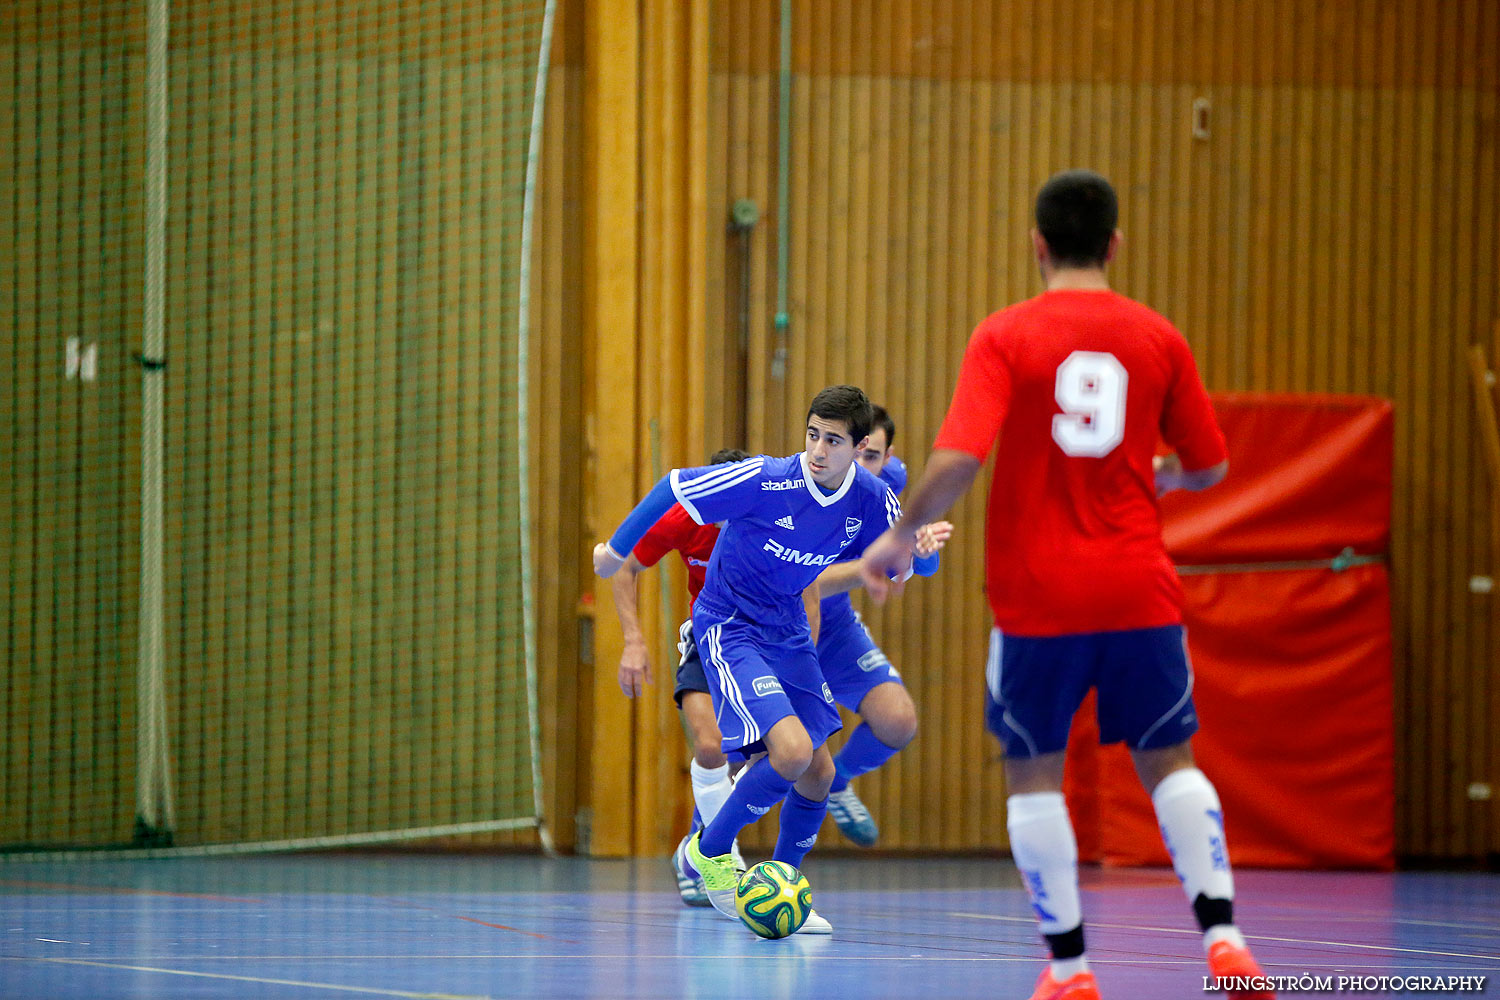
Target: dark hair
<point x="883" y="420"/>
<point x="1076" y="213"/>
<point x="847" y="403"/>
<point x="727" y="455"/>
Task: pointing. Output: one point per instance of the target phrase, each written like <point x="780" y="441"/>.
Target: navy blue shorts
<point x="759" y="676"/>
<point x="689" y="664"/>
<point x="1035" y="685"/>
<point x="851" y="662"/>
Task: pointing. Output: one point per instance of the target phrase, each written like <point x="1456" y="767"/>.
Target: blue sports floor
<point x="439" y="925"/>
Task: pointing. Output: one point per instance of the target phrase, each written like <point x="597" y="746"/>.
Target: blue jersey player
<point x="786" y="520"/>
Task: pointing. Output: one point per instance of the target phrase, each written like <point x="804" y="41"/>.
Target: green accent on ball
<point x="773" y="899"/>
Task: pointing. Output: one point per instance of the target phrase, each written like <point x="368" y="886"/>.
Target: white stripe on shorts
<point x="728" y="688"/>
<point x="992" y="678"/>
<point x="1186" y="694"/>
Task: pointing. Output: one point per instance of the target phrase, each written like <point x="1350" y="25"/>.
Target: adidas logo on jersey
<point x="785" y="522"/>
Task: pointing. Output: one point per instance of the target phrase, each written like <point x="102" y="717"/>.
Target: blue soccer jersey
<point x="782" y="530"/>
<point x="837" y="612"/>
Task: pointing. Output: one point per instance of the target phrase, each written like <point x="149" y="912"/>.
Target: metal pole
<point x="154" y="808"/>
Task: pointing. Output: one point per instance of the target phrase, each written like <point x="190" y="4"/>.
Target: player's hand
<point x="890" y="553"/>
<point x="635" y="670"/>
<point x="606" y="563"/>
<point x="931" y="537"/>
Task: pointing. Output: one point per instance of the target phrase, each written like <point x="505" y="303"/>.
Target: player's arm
<point x="978" y="408"/>
<point x="635" y="660"/>
<point x="1170" y="475"/>
<point x="1200" y="456"/>
<point x="948" y="475"/>
<point x="812" y="599"/>
<point x="607" y="555"/>
<point x="708" y="493"/>
<point x="842" y="577"/>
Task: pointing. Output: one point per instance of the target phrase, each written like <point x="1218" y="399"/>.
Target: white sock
<point x="1067" y="968"/>
<point x="1223" y="932"/>
<point x="1046" y="853"/>
<point x="1192" y="825"/>
<point x="711" y="788"/>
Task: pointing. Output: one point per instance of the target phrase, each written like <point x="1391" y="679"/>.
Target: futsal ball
<point x="773" y="899"/>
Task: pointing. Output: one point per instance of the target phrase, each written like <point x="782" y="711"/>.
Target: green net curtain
<point x="343" y="627"/>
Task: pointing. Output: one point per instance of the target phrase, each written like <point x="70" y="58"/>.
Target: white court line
<point x="770" y="953"/>
<point x="1248" y="937"/>
<point x="260" y="979"/>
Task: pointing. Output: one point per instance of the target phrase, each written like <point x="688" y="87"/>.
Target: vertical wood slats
<point x="1331" y="234"/>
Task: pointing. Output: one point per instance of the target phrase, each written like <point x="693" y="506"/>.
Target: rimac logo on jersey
<point x="767" y="685"/>
<point x="781" y="484"/>
<point x="851" y="526"/>
<point x="797" y="555"/>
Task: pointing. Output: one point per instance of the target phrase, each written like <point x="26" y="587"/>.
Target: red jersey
<point x="1080" y="386"/>
<point x="677" y="530"/>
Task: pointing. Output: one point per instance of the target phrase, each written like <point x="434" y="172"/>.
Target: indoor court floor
<point x="372" y="924"/>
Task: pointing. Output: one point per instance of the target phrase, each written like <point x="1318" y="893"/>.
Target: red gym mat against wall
<point x="1292" y="664"/>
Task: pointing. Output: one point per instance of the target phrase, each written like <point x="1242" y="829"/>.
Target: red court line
<point x="473" y="920"/>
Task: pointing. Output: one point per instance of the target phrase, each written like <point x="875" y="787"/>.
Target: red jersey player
<point x="1080" y="384"/>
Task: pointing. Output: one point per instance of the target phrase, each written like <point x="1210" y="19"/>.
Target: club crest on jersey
<point x="766" y="685"/>
<point x="851" y="526"/>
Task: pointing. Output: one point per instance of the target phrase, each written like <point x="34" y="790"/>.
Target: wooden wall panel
<point x="1335" y="231"/>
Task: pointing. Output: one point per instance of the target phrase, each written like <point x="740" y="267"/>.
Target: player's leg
<point x="806" y="803"/>
<point x="1033" y="688"/>
<point x="803" y="809"/>
<point x="755" y="714"/>
<point x="710" y="766"/>
<point x="1147" y="701"/>
<point x="862" y="678"/>
<point x="760" y="786"/>
<point x="802" y="813"/>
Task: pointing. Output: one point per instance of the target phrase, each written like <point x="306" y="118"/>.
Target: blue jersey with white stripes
<point x="838" y="610"/>
<point x="782" y="531"/>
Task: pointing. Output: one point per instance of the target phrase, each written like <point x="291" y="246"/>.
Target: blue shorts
<point x="690" y="675"/>
<point x="758" y="676"/>
<point x="1035" y="685"/>
<point x="851" y="662"/>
